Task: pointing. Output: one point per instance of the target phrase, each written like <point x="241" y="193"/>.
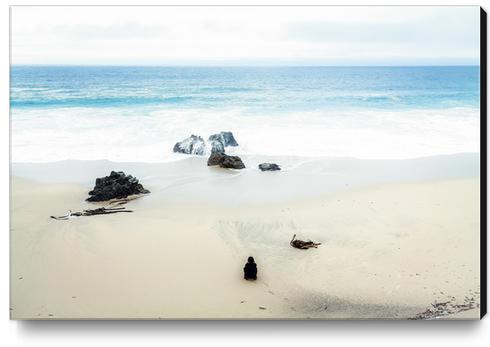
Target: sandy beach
<point x="397" y="236"/>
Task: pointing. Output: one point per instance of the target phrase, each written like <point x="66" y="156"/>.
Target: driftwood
<point x="303" y="244"/>
<point x="101" y="210"/>
<point x="104" y="210"/>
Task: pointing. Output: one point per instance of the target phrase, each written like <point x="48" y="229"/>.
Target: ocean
<point x="137" y="114"/>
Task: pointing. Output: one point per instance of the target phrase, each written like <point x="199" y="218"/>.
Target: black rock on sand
<point x="225" y="161"/>
<point x="116" y="186"/>
<point x="191" y="145"/>
<point x="269" y="167"/>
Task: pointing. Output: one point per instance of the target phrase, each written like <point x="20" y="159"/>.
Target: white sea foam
<point x="148" y="135"/>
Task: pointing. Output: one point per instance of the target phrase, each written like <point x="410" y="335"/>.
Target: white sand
<point x="390" y="248"/>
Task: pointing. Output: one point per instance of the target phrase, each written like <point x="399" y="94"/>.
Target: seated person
<point x="250" y="269"/>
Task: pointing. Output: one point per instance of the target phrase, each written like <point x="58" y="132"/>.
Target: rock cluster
<point x="216" y="145"/>
<point x="117" y="185"/>
<point x="269" y="167"/>
<point x="196" y="144"/>
<point x="225" y="161"/>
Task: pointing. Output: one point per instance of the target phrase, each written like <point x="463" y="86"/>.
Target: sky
<point x="245" y="35"/>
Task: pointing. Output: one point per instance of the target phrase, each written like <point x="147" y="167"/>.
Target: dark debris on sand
<point x="300" y="244"/>
<point x="446" y="308"/>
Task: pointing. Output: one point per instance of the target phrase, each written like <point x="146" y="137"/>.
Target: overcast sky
<point x="245" y="35"/>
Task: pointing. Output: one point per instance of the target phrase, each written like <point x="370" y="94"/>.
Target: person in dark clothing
<point x="250" y="270"/>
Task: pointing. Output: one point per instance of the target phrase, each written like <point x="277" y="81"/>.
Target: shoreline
<point x="180" y="253"/>
<point x="191" y="177"/>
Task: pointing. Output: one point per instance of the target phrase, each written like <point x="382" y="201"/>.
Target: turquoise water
<point x="257" y="88"/>
<point x="137" y="113"/>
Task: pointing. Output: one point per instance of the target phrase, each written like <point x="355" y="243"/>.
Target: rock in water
<point x="225" y="137"/>
<point x="217" y="147"/>
<point x="116" y="186"/>
<point x="191" y="145"/>
<point x="269" y="167"/>
<point x="229" y="139"/>
<point x="225" y="161"/>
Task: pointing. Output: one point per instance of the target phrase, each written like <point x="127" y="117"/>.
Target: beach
<point x="397" y="236"/>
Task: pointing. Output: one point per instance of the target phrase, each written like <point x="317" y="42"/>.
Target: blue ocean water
<point x="137" y="113"/>
<point x="256" y="88"/>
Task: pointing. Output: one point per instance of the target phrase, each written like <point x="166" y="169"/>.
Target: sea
<point x="138" y="113"/>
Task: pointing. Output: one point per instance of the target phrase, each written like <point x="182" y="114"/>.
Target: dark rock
<point x="215" y="158"/>
<point x="217" y="147"/>
<point x="232" y="162"/>
<point x="229" y="139"/>
<point x="269" y="167"/>
<point x="225" y="137"/>
<point x="225" y="161"/>
<point x="191" y="145"/>
<point x="116" y="186"/>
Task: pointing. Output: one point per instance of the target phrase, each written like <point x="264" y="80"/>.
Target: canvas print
<point x="246" y="162"/>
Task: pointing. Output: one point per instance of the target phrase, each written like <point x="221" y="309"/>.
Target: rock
<point x="269" y="167"/>
<point x="229" y="139"/>
<point x="225" y="137"/>
<point x="116" y="186"/>
<point x="217" y="147"/>
<point x="215" y="158"/>
<point x="196" y="144"/>
<point x="225" y="161"/>
<point x="232" y="162"/>
<point x="191" y="145"/>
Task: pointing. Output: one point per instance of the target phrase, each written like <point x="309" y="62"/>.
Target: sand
<point x="391" y="246"/>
